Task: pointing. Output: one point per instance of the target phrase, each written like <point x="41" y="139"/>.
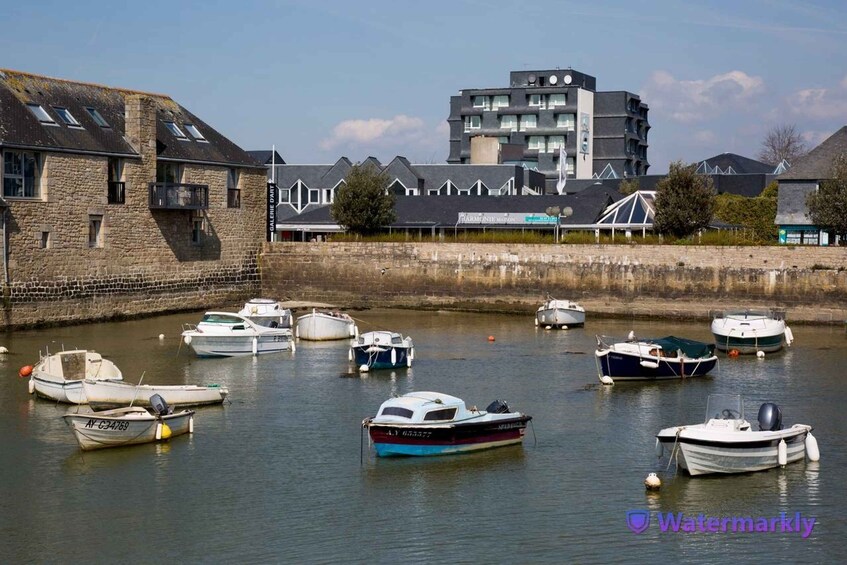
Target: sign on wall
<point x="505" y="218"/>
<point x="271" y="225"/>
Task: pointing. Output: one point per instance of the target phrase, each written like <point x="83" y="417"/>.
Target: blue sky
<point x="321" y="79"/>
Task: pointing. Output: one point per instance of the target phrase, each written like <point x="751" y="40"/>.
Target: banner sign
<point x="505" y="218"/>
<point x="271" y="225"/>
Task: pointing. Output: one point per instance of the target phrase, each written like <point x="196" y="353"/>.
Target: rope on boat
<point x="675" y="446"/>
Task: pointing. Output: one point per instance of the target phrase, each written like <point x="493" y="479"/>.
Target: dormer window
<point x="98" y="119"/>
<point x="174" y="129"/>
<point x="41" y="114"/>
<point x="66" y="116"/>
<point x="195" y="133"/>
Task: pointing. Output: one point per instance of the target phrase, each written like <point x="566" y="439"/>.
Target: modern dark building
<point x="603" y="134"/>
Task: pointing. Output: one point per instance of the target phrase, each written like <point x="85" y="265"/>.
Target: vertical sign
<point x="584" y="131"/>
<point x="271" y="225"/>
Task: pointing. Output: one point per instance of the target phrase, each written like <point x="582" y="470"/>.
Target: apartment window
<point x="566" y="121"/>
<point x="196" y="230"/>
<point x="170" y="173"/>
<point x="536" y="100"/>
<point x="528" y="121"/>
<point x="557" y="100"/>
<point x="481" y="102"/>
<point x="21" y="174"/>
<point x="473" y="122"/>
<point x="98" y="119"/>
<point x="509" y="122"/>
<point x="174" y="129"/>
<point x="571" y="165"/>
<point x="41" y="114"/>
<point x="500" y="101"/>
<point x="554" y="142"/>
<point x="66" y="116"/>
<point x="195" y="133"/>
<point x="536" y="143"/>
<point x="116" y="193"/>
<point x="95" y="231"/>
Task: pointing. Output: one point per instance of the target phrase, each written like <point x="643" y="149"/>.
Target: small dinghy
<point x="59" y="376"/>
<point x="129" y="425"/>
<point x="325" y="325"/>
<point x="112" y="394"/>
<point x="559" y="314"/>
<point x="727" y="442"/>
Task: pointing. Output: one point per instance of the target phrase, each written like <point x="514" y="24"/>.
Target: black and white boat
<point x="652" y="359"/>
<point x="382" y="350"/>
<point x="751" y="331"/>
<point x="727" y="443"/>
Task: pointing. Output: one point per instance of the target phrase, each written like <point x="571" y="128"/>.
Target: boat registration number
<point x="107" y="425"/>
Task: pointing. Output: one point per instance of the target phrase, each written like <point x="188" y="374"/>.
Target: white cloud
<point x="373" y="131"/>
<point x="822" y="103"/>
<point x="701" y="100"/>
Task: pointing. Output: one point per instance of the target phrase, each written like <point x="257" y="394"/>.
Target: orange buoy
<point x="732" y="353"/>
<point x="491" y="338"/>
<point x="25" y="371"/>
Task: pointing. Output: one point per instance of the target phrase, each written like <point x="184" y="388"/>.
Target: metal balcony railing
<point x="116" y="193"/>
<point x="178" y="196"/>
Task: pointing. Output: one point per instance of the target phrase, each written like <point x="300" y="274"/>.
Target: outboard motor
<point x="770" y="417"/>
<point x="159" y="405"/>
<point x="498" y="407"/>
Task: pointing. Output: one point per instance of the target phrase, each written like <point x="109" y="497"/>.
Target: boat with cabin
<point x="382" y="350"/>
<point x="652" y="359"/>
<point x="751" y="331"/>
<point x="225" y="334"/>
<point x="559" y="314"/>
<point x="266" y="312"/>
<point x="59" y="376"/>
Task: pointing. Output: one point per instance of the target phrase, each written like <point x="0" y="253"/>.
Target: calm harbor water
<point x="275" y="476"/>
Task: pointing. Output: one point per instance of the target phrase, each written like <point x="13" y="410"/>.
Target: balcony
<point x="178" y="196"/>
<point x="116" y="193"/>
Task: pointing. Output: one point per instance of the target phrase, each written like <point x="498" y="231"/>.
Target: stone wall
<point x="632" y="280"/>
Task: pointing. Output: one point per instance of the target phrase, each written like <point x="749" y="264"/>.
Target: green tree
<point x="828" y="205"/>
<point x="685" y="201"/>
<point x="628" y="186"/>
<point x="755" y="215"/>
<point x="363" y="204"/>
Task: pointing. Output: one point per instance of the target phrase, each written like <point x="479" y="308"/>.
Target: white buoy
<point x="812" y="450"/>
<point x="191" y="424"/>
<point x="607" y="380"/>
<point x="760" y="354"/>
<point x="187" y="340"/>
<point x="3" y="349"/>
<point x="548" y="327"/>
<point x="782" y="453"/>
<point x="158" y="431"/>
<point x="536" y="321"/>
<point x="660" y="449"/>
<point x="161" y="337"/>
<point x="653" y="482"/>
<point x="364" y="368"/>
<point x="564" y="327"/>
<point x="31" y="386"/>
<point x="255" y="346"/>
<point x="631" y="335"/>
<point x="350" y="354"/>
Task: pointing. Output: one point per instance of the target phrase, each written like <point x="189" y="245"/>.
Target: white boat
<point x="112" y="394"/>
<point x="324" y="325"/>
<point x="432" y="423"/>
<point x="224" y="334"/>
<point x="727" y="443"/>
<point x="751" y="331"/>
<point x="559" y="314"/>
<point x="128" y="425"/>
<point x="266" y="312"/>
<point x="382" y="350"/>
<point x="59" y="376"/>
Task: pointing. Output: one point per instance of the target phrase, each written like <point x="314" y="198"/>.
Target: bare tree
<point x="782" y="142"/>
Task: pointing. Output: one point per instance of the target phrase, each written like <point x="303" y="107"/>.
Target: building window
<point x="284" y="196"/>
<point x="500" y="101"/>
<point x="554" y="100"/>
<point x="314" y="196"/>
<point x="536" y="143"/>
<point x="44" y="242"/>
<point x="41" y="114"/>
<point x="95" y="231"/>
<point x="98" y="119"/>
<point x="566" y="121"/>
<point x="571" y="165"/>
<point x="509" y="122"/>
<point x="554" y="142"/>
<point x="328" y="196"/>
<point x="233" y="193"/>
<point x="473" y="122"/>
<point x="174" y="129"/>
<point x="433" y="191"/>
<point x="195" y="133"/>
<point x="66" y="116"/>
<point x="196" y="230"/>
<point x="503" y="139"/>
<point x="481" y="102"/>
<point x="528" y="121"/>
<point x="170" y="173"/>
<point x="536" y="100"/>
<point x="116" y="193"/>
<point x="21" y="174"/>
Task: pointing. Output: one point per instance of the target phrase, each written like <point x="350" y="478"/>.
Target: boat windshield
<point x="724" y="407"/>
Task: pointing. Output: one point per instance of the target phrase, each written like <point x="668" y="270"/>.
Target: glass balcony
<point x="178" y="196"/>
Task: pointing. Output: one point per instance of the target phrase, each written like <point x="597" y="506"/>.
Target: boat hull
<point x="387" y="357"/>
<point x="115" y="428"/>
<point x="323" y="327"/>
<point x="231" y="346"/>
<point x="701" y="456"/>
<point x="105" y="394"/>
<point x="422" y="440"/>
<point x="747" y="345"/>
<point x="627" y="367"/>
<point x="748" y="333"/>
<point x="559" y="317"/>
<point x="68" y="392"/>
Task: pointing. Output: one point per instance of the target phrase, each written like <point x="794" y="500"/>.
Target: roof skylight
<point x="174" y="129"/>
<point x="66" y="116"/>
<point x="195" y="133"/>
<point x="98" y="119"/>
<point x="40" y="113"/>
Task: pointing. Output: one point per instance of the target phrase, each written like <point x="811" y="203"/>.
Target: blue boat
<point x="652" y="359"/>
<point x="382" y="350"/>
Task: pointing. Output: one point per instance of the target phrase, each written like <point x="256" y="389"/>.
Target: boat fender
<point x="607" y="380"/>
<point x="653" y="482"/>
<point x="350" y="354"/>
<point x="782" y="453"/>
<point x="536" y="321"/>
<point x="732" y="353"/>
<point x="411" y="353"/>
<point x="393" y="356"/>
<point x="255" y="346"/>
<point x="3" y="349"/>
<point x="789" y="337"/>
<point x="187" y="340"/>
<point x="812" y="450"/>
<point x="364" y="369"/>
<point x="760" y="354"/>
<point x="25" y="371"/>
<point x="409" y="358"/>
<point x="660" y="449"/>
<point x="293" y="346"/>
<point x="31" y="386"/>
<point x="158" y="431"/>
<point x="166" y="431"/>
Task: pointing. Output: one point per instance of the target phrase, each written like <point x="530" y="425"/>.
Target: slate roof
<point x="817" y="163"/>
<point x="267" y="157"/>
<point x="20" y="128"/>
<point x="741" y="165"/>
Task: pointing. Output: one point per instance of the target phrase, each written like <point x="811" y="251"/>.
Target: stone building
<point x="119" y="203"/>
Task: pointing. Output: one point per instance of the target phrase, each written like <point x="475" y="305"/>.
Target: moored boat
<point x="59" y="376"/>
<point x="727" y="443"/>
<point x="382" y="350"/>
<point x="266" y="312"/>
<point x="128" y="425"/>
<point x="652" y="359"/>
<point x="432" y="423"/>
<point x="325" y="325"/>
<point x="224" y="334"/>
<point x="559" y="314"/>
<point x="112" y="394"/>
<point x="751" y="331"/>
